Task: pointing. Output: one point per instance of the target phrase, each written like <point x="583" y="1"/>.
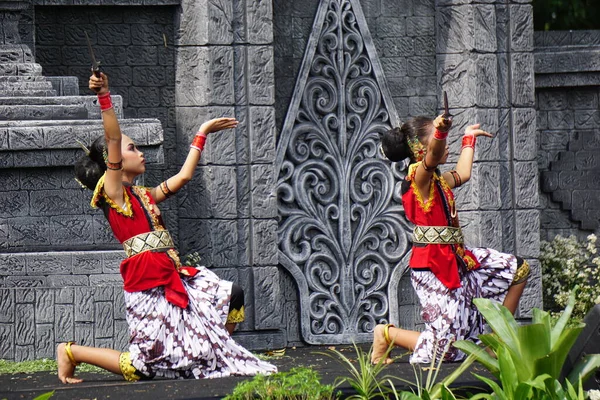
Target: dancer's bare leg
<point x="400" y="337"/>
<point x="107" y="359"/>
<point x="511" y="301"/>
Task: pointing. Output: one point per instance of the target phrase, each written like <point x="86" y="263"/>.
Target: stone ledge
<point x="106" y="2"/>
<point x="90" y="103"/>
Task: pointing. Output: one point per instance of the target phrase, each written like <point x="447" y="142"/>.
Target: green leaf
<point x="500" y="320"/>
<point x="554" y="361"/>
<point x="447" y="394"/>
<point x="584" y="368"/>
<point x="44" y="396"/>
<point x="564" y="319"/>
<point x="508" y="373"/>
<point x="491" y="340"/>
<point x="480" y="354"/>
<point x="494" y="386"/>
<point x="534" y="341"/>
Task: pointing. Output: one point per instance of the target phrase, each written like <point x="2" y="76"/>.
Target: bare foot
<point x="380" y="346"/>
<point x="66" y="369"/>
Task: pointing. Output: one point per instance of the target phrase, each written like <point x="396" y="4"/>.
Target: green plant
<point x="299" y="383"/>
<point x="41" y="365"/>
<point x="565" y="14"/>
<point x="44" y="396"/>
<point x="528" y="359"/>
<point x="566" y="263"/>
<point x="368" y="383"/>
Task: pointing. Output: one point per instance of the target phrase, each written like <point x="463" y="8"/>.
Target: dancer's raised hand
<point x="218" y="124"/>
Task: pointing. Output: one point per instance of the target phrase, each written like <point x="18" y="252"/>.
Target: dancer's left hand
<point x="473" y="130"/>
<point x="218" y="124"/>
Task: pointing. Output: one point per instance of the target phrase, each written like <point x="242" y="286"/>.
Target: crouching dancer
<point x="446" y="274"/>
<point x="180" y="318"/>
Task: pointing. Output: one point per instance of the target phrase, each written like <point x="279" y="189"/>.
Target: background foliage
<point x="558" y="15"/>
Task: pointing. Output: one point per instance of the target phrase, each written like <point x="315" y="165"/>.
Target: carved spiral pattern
<point x="341" y="222"/>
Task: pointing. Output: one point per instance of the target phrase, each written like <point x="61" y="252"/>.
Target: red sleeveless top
<point x="442" y="259"/>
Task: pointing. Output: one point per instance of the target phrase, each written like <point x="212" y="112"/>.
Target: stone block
<point x="420" y="26"/>
<point x="391" y="26"/>
<point x="399" y="7"/>
<point x="106" y="280"/>
<point x="291" y="311"/>
<point x="587" y="161"/>
<point x="486" y="75"/>
<point x="222" y="189"/>
<point x="552" y="100"/>
<point x="121" y="338"/>
<point x="526" y="184"/>
<point x="521" y="26"/>
<point x="262" y="340"/>
<point x="7" y="341"/>
<point x="52" y="202"/>
<point x="488" y="186"/>
<point x="44" y="341"/>
<point x="264" y="199"/>
<point x="204" y="22"/>
<point x="84" y="298"/>
<point x="532" y="297"/>
<point x="524" y="137"/>
<point x="23" y="138"/>
<point x="259" y="20"/>
<point x="49" y="264"/>
<point x="220" y="149"/>
<point x="261" y="78"/>
<point x="582" y="98"/>
<point x="262" y="134"/>
<point x="454" y="26"/>
<point x="142" y="55"/>
<point x="587" y="119"/>
<point x="28" y="231"/>
<point x="425" y="105"/>
<point x="71" y="229"/>
<point x="264" y="233"/>
<point x="490" y="229"/>
<point x="224" y="237"/>
<point x="396" y="47"/>
<point x="84" y="334"/>
<point x="7" y="306"/>
<point x="527" y="233"/>
<point x="457" y="78"/>
<point x="267" y="293"/>
<point x="44" y="306"/>
<point x="421" y="66"/>
<point x="23" y="353"/>
<point x="204" y="76"/>
<point x="394" y="67"/>
<point x="116" y="34"/>
<point x="14" y="204"/>
<point x="101" y="232"/>
<point x="104" y="327"/>
<point x="554" y="140"/>
<point x="195" y="235"/>
<point x="63" y="324"/>
<point x="24" y="282"/>
<point x="523" y="93"/>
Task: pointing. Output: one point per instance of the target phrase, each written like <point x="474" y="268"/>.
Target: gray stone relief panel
<point x="340" y="232"/>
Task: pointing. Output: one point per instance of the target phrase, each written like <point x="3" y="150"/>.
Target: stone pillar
<point x="10" y="13"/>
<point x="228" y="213"/>
<point x="485" y="63"/>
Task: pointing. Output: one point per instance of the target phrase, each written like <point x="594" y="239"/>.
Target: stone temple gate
<point x="296" y="204"/>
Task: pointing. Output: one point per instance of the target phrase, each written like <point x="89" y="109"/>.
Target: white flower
<point x="597" y="301"/>
<point x="594" y="394"/>
<point x="592" y="238"/>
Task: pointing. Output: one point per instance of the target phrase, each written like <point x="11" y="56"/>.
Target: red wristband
<point x="439" y="135"/>
<point x="199" y="141"/>
<point x="468" y="141"/>
<point x="105" y="101"/>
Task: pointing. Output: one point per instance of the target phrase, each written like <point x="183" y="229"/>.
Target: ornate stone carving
<point x="342" y="234"/>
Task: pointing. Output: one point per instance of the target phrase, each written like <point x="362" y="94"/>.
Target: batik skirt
<point x="171" y="342"/>
<point x="450" y="315"/>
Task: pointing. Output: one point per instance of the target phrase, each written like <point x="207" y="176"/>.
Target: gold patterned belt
<point x="437" y="235"/>
<point x="154" y="240"/>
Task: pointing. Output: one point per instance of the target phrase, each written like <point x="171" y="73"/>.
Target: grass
<point x="43" y="365"/>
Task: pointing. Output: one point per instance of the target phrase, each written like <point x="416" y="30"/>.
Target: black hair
<point x="90" y="168"/>
<point x="394" y="142"/>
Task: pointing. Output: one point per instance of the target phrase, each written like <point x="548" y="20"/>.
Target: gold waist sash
<point x="154" y="240"/>
<point x="437" y="235"/>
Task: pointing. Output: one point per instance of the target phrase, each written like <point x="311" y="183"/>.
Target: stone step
<point x="27" y="92"/>
<point x="42" y="111"/>
<point x="16" y="53"/>
<point x="89" y="102"/>
<point x="30" y="144"/>
<point x="65" y="85"/>
<point x="26" y="85"/>
<point x="20" y="69"/>
<point x="31" y="78"/>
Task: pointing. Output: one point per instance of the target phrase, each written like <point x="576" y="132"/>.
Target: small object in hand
<point x="95" y="64"/>
<point x="446" y="115"/>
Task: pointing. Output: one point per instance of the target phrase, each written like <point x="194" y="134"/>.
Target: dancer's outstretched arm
<point x="464" y="166"/>
<point x="113" y="185"/>
<point x="177" y="181"/>
<point x="436" y="148"/>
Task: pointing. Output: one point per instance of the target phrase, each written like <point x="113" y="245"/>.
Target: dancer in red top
<point x="445" y="273"/>
<point x="180" y="318"/>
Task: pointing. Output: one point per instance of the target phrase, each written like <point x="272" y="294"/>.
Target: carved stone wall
<point x="568" y="89"/>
